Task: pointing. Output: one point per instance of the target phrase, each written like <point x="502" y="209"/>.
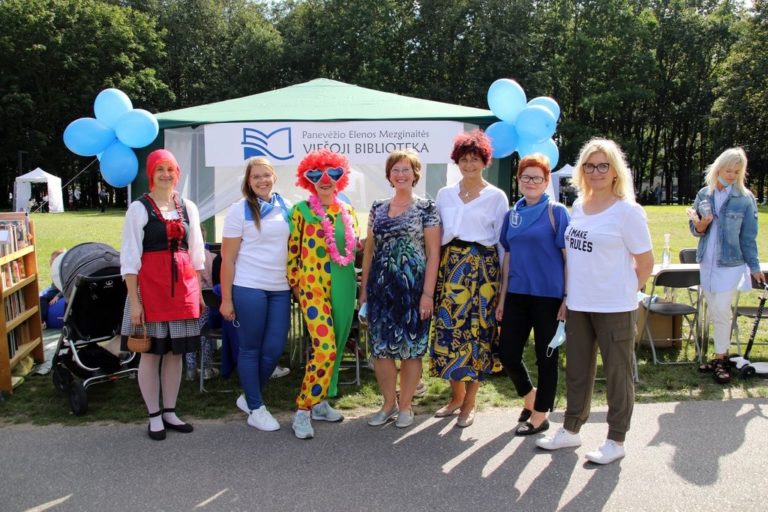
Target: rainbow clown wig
<point x="322" y="160"/>
<point x="157" y="157"/>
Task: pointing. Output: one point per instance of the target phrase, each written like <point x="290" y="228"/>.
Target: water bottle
<point x="666" y="256"/>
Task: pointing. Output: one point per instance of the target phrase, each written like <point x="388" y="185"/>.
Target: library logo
<point x="276" y="145"/>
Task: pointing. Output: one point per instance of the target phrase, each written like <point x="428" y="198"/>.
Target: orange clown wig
<point x="322" y="160"/>
<point x="157" y="157"/>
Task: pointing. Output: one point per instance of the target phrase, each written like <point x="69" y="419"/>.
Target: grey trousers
<point x="614" y="334"/>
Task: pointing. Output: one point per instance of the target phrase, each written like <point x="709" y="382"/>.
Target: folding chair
<point x="673" y="278"/>
<point x="213" y="302"/>
<point x="744" y="310"/>
<point x="689" y="256"/>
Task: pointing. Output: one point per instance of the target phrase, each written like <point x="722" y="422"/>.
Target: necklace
<point x="402" y="205"/>
<point x="328" y="231"/>
<point x="464" y="194"/>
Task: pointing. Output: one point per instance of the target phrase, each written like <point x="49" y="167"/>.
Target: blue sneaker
<point x="302" y="425"/>
<point x="324" y="412"/>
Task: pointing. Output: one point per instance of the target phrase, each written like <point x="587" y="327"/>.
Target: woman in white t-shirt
<point x="254" y="285"/>
<point x="464" y="329"/>
<point x="609" y="257"/>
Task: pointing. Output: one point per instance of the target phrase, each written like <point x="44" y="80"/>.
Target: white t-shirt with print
<point x="601" y="271"/>
<point x="261" y="261"/>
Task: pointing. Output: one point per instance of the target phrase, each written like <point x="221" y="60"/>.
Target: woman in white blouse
<point x="464" y="328"/>
<point x="161" y="257"/>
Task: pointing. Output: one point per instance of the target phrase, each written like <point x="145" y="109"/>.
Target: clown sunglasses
<point x="315" y="175"/>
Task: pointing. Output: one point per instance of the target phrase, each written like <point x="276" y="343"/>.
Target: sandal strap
<point x="169" y="410"/>
<point x="155" y="414"/>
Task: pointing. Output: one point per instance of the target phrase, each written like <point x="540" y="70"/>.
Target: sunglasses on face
<point x="315" y="175"/>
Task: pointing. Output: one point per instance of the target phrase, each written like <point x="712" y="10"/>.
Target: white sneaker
<point x="262" y="420"/>
<point x="325" y="412"/>
<point x="608" y="452"/>
<point x="242" y="404"/>
<point x="280" y="371"/>
<point x="302" y="425"/>
<point x="560" y="439"/>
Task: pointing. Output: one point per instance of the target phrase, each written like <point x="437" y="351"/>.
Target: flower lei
<point x="328" y="231"/>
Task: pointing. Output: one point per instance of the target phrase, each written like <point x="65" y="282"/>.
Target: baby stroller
<point x="95" y="293"/>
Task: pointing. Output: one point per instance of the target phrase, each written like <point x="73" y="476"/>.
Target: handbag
<point x="139" y="342"/>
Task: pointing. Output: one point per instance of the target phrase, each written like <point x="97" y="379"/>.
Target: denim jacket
<point x="737" y="230"/>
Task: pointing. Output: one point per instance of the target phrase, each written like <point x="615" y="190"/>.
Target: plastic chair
<point x="673" y="278"/>
<point x="687" y="255"/>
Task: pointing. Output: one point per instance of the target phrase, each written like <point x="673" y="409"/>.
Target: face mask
<point x="722" y="181"/>
<point x="558" y="339"/>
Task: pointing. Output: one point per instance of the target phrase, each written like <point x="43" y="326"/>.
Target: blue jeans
<point x="263" y="317"/>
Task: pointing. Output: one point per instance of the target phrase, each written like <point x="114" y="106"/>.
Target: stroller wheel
<point x="61" y="378"/>
<point x="78" y="402"/>
<point x="748" y="372"/>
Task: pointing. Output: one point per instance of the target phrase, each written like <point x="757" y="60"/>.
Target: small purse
<point x="139" y="342"/>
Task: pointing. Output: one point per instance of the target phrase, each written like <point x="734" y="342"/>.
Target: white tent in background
<point x="553" y="189"/>
<point x="23" y="190"/>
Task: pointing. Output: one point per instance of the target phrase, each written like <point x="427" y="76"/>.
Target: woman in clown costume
<point x="321" y="274"/>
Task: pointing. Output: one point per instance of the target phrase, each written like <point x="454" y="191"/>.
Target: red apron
<point x="169" y="286"/>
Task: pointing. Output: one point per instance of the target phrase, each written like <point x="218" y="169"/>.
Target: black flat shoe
<point x="184" y="428"/>
<point x="157" y="435"/>
<point x="525" y="415"/>
<point x="527" y="428"/>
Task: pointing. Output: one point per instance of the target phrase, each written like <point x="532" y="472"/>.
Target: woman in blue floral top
<point x="402" y="253"/>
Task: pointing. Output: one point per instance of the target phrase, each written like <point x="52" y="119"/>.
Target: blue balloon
<point x="535" y="123"/>
<point x="503" y="138"/>
<point x="119" y="165"/>
<point x="110" y="105"/>
<point x="547" y="148"/>
<point x="87" y="136"/>
<point x="506" y="99"/>
<point x="548" y="103"/>
<point x="137" y="128"/>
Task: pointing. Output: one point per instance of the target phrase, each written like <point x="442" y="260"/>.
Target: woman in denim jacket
<point x="728" y="210"/>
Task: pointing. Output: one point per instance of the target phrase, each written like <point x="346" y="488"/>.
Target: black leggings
<point x="521" y="314"/>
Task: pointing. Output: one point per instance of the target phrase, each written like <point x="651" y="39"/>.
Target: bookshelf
<point x="21" y="332"/>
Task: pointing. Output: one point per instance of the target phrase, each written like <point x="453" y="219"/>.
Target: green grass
<point x="36" y="401"/>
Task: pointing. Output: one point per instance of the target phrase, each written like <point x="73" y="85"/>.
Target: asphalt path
<point x="686" y="456"/>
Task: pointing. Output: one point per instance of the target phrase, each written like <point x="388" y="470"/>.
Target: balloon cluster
<point x="117" y="128"/>
<point x="525" y="127"/>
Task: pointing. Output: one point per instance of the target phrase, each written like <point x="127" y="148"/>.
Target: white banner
<point x="363" y="142"/>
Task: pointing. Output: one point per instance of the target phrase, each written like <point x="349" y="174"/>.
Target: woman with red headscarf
<point x="160" y="258"/>
<point x="321" y="273"/>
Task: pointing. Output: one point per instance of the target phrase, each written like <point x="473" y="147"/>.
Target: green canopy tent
<point x="212" y="141"/>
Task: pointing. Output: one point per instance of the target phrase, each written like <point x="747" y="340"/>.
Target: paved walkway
<point x="696" y="456"/>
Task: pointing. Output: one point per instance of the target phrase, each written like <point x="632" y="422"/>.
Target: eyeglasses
<point x="315" y="175"/>
<point x="404" y="170"/>
<point x="601" y="168"/>
<point x="536" y="180"/>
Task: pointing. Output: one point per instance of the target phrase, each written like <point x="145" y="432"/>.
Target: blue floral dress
<point x="396" y="279"/>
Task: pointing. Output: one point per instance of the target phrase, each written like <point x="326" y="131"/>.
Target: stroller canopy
<point x="90" y="259"/>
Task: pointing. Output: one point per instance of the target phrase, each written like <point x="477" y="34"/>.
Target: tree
<point x="56" y="56"/>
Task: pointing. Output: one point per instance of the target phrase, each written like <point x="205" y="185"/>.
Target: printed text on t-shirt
<point x="577" y="240"/>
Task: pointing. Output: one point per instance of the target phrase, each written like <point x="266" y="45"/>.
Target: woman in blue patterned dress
<point x="402" y="252"/>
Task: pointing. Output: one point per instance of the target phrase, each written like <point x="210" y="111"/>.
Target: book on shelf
<point x="14" y="232"/>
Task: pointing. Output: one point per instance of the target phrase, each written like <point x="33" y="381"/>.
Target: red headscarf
<point x="157" y="157"/>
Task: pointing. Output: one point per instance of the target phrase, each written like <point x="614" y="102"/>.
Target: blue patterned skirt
<point x="464" y="332"/>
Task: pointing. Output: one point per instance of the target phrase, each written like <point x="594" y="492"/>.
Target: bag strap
<point x="550" y="211"/>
